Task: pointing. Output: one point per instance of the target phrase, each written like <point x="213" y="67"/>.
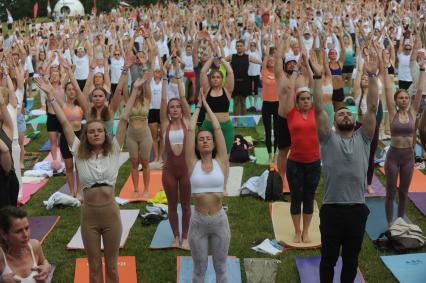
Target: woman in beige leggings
<point x="97" y="161"/>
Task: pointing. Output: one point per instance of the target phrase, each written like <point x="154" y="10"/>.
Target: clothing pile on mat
<point x="59" y="199"/>
<point x="155" y="214"/>
<point x="261" y="270"/>
<point x="267" y="246"/>
<point x="44" y="169"/>
<point x="256" y="185"/>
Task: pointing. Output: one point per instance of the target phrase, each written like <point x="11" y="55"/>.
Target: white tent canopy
<point x="68" y="8"/>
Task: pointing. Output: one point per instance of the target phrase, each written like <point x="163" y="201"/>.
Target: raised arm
<point x="321" y="117"/>
<point x="5" y="116"/>
<point x="204" y="81"/>
<point x="371" y="66"/>
<point x="190" y="156"/>
<point x="420" y="86"/>
<point x="186" y="110"/>
<point x="389" y="89"/>
<point x="164" y="119"/>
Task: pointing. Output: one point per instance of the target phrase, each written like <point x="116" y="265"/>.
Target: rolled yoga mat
<point x="283" y="226"/>
<point x="126" y="270"/>
<point x="407" y="268"/>
<point x="41" y="226"/>
<point x="128" y="218"/>
<point x="419" y="200"/>
<point x="308" y="268"/>
<point x="184" y="266"/>
<point x="376" y="221"/>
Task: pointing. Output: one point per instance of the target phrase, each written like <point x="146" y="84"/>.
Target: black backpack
<point x="239" y="151"/>
<point x="274" y="186"/>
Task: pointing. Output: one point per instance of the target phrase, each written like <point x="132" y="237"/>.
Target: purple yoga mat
<point x="419" y="200"/>
<point x="379" y="189"/>
<point x="40" y="226"/>
<point x="308" y="268"/>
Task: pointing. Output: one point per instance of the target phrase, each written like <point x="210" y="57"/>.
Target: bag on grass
<point x="239" y="151"/>
<point x="401" y="237"/>
<point x="274" y="186"/>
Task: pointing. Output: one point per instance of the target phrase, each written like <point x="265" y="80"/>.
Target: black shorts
<point x="338" y="95"/>
<point x="348" y="69"/>
<point x="53" y="124"/>
<point x="404" y="84"/>
<point x="31" y="75"/>
<point x="81" y="84"/>
<point x="63" y="146"/>
<point x="154" y="116"/>
<point x="283" y="133"/>
<point x="242" y="88"/>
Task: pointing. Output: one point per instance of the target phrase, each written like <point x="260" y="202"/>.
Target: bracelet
<point x="372" y="75"/>
<point x="50" y="101"/>
<point x="317" y="77"/>
<point x="422" y="69"/>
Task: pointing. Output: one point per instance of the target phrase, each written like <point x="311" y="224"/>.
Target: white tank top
<point x="175" y="136"/>
<point x="29" y="278"/>
<point x="156" y="94"/>
<point x="189" y="64"/>
<point x="207" y="182"/>
<point x="404" y="72"/>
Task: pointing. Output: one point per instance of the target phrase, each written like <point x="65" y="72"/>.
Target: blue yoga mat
<point x="376" y="221"/>
<point x="243" y="121"/>
<point x="45" y="146"/>
<point x="308" y="268"/>
<point x="186" y="265"/>
<point x="408" y="268"/>
<point x="163" y="236"/>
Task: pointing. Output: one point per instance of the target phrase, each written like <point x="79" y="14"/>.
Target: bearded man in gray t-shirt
<point x="344" y="154"/>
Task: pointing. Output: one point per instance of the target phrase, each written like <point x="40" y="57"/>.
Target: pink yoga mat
<point x="29" y="189"/>
<point x="26" y="141"/>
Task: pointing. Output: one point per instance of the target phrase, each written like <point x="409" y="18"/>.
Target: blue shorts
<point x="22" y="126"/>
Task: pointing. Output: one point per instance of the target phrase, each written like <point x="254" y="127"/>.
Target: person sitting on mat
<point x="207" y="162"/>
<point x="304" y="164"/>
<point x="21" y="258"/>
<point x="344" y="154"/>
<point x="400" y="157"/>
<point x="97" y="160"/>
<point x="174" y="116"/>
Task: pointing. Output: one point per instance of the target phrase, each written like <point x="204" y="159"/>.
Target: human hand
<point x="44" y="84"/>
<point x="43" y="272"/>
<point x="316" y="68"/>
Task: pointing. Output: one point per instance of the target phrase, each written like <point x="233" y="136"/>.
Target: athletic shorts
<point x="154" y="116"/>
<point x="227" y="130"/>
<point x="64" y="148"/>
<point x="338" y="95"/>
<point x="283" y="133"/>
<point x="20" y="119"/>
<point x="52" y="123"/>
<point x="348" y="69"/>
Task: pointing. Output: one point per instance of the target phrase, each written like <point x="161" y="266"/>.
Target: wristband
<point x="317" y="77"/>
<point x="422" y="69"/>
<point x="372" y="75"/>
<point x="50" y="101"/>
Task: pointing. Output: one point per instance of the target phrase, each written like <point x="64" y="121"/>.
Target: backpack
<point x="274" y="186"/>
<point x="401" y="237"/>
<point x="239" y="151"/>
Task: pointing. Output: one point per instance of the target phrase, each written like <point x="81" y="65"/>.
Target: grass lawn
<point x="248" y="217"/>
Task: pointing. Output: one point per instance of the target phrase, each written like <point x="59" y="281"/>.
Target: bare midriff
<point x="221" y="117"/>
<point x="401" y="142"/>
<point x="208" y="203"/>
<point x="337" y="82"/>
<point x="99" y="195"/>
<point x="138" y="123"/>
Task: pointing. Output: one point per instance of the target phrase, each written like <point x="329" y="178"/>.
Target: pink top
<point x="269" y="92"/>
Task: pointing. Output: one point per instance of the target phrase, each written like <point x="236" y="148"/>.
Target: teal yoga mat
<point x="262" y="156"/>
<point x="408" y="268"/>
<point x="185" y="266"/>
<point x="376" y="221"/>
<point x="42" y="119"/>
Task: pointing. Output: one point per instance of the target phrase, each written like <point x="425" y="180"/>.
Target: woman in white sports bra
<point x="207" y="167"/>
<point x="21" y="258"/>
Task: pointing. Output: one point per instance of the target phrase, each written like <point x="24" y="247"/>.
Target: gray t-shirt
<point x="345" y="164"/>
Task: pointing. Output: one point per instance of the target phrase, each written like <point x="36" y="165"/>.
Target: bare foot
<point x="136" y="194"/>
<point x="185" y="245"/>
<point x="145" y="194"/>
<point x="297" y="238"/>
<point x="175" y="243"/>
<point x="305" y="238"/>
<point x="79" y="197"/>
<point x="370" y="189"/>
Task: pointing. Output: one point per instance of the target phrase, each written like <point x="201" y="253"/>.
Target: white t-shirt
<point x="19" y="92"/>
<point x="81" y="67"/>
<point x="254" y="69"/>
<point x="29" y="64"/>
<point x="189" y="64"/>
<point x="404" y="72"/>
<point x="116" y="68"/>
<point x="156" y="90"/>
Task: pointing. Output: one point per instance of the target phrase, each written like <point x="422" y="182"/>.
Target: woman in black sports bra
<point x="336" y="73"/>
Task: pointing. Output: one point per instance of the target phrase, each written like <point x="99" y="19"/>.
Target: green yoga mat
<point x="262" y="156"/>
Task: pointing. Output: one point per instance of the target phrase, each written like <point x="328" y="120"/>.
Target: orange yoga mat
<point x="126" y="270"/>
<point x="155" y="186"/>
<point x="418" y="183"/>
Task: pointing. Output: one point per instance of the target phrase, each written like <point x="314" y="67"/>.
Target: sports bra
<point x="73" y="113"/>
<point x="336" y="72"/>
<point x="391" y="69"/>
<point x="218" y="104"/>
<point x="139" y="113"/>
<point x="29" y="278"/>
<point x="207" y="182"/>
<point x="176" y="136"/>
<point x="399" y="129"/>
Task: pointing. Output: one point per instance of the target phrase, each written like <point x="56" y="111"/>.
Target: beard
<point x="346" y="127"/>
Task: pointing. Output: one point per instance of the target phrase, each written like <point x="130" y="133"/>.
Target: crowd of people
<point x="303" y="61"/>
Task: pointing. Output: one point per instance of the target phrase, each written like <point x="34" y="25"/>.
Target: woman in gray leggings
<point x="207" y="167"/>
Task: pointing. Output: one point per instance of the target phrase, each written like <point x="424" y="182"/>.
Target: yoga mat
<point x="262" y="155"/>
<point x="376" y="221"/>
<point x="41" y="226"/>
<point x="185" y="266"/>
<point x="155" y="186"/>
<point x="308" y="268"/>
<point x="128" y="218"/>
<point x="42" y="119"/>
<point x="243" y="121"/>
<point x="418" y="182"/>
<point x="283" y="226"/>
<point x="45" y="146"/>
<point x="29" y="104"/>
<point x="408" y="268"/>
<point x="30" y="189"/>
<point x="26" y="141"/>
<point x="126" y="270"/>
<point x="419" y="200"/>
<point x="124" y="156"/>
<point x="163" y="236"/>
<point x="234" y="180"/>
<point x="30" y="159"/>
<point x="379" y="189"/>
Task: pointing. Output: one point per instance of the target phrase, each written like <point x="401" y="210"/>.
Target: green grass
<point x="248" y="217"/>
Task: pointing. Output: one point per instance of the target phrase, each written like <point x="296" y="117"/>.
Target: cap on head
<point x="289" y="58"/>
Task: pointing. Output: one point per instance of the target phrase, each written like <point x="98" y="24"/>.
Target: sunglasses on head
<point x="117" y="54"/>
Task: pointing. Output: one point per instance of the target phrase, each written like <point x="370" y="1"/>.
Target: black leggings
<point x="270" y="109"/>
